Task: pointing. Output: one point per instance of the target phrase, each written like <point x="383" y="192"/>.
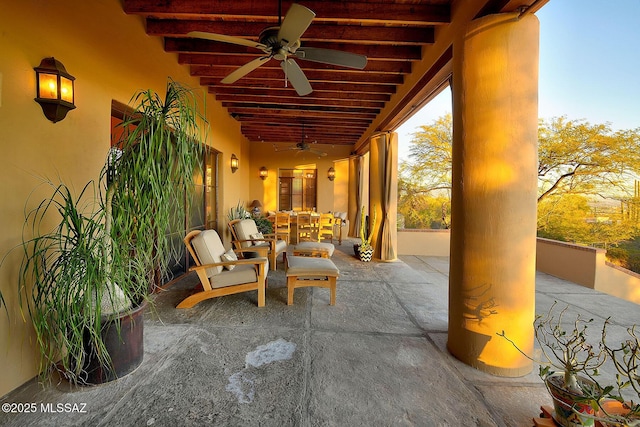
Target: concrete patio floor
<point x="376" y="358"/>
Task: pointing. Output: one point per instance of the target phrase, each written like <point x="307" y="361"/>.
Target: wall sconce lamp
<point x="264" y="173"/>
<point x="331" y="173"/>
<point x="54" y="89"/>
<point x="234" y="163"/>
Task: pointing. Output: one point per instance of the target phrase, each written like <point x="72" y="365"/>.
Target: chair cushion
<point x="229" y="256"/>
<point x="244" y="230"/>
<point x="241" y="274"/>
<point x="309" y="266"/>
<point x="209" y="249"/>
<point x="281" y="245"/>
<point x="315" y="246"/>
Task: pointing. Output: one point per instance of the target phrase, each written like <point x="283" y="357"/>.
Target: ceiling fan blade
<point x="296" y="76"/>
<point x="318" y="153"/>
<point x="245" y="69"/>
<point x="228" y="39"/>
<point x="333" y="57"/>
<point x="294" y="24"/>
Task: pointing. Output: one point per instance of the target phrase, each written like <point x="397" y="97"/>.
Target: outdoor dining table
<point x="293" y="236"/>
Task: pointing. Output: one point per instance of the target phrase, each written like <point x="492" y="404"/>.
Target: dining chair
<point x="304" y="227"/>
<point x="325" y="227"/>
<point x="282" y="226"/>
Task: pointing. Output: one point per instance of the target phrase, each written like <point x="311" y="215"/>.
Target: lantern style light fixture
<point x="234" y="163"/>
<point x="264" y="173"/>
<point x="54" y="89"/>
<point x="331" y="173"/>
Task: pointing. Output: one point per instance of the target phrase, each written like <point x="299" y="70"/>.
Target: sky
<point x="589" y="66"/>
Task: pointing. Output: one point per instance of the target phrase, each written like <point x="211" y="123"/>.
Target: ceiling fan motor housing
<point x="279" y="49"/>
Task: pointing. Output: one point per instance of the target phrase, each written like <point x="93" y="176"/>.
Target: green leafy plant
<point x="238" y="212"/>
<point x="109" y="244"/>
<point x="264" y="225"/>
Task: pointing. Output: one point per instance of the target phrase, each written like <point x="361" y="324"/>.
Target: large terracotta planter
<point x="125" y="346"/>
<point x="568" y="410"/>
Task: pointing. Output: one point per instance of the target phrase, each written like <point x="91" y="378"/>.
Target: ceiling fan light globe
<point x="280" y="54"/>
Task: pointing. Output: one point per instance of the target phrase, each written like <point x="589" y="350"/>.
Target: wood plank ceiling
<point x="394" y="35"/>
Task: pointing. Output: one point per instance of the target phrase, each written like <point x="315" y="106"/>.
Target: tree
<point x="424" y="181"/>
<point x="423" y="212"/>
<point x="429" y="167"/>
<point x="575" y="157"/>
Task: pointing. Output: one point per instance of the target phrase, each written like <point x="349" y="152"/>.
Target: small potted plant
<point x="568" y="366"/>
<point x="262" y="222"/>
<point x="364" y="250"/>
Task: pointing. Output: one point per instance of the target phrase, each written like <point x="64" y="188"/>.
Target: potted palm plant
<point x="568" y="365"/>
<point x="84" y="282"/>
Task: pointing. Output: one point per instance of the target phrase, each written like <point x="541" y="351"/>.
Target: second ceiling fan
<point x="283" y="42"/>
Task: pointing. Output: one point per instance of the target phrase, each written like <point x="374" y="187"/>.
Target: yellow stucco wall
<point x="569" y="261"/>
<point x="424" y="242"/>
<point x="618" y="281"/>
<point x="111" y="57"/>
<point x="341" y="186"/>
<point x="267" y="191"/>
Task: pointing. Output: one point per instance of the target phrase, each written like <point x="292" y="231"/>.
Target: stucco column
<point x="493" y="225"/>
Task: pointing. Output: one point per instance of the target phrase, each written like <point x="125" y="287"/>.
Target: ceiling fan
<point x="303" y="146"/>
<point x="282" y="43"/>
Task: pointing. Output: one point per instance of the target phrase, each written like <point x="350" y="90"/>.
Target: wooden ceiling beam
<point x="373" y="53"/>
<point x="297" y="114"/>
<point x="268" y="71"/>
<point x="288" y="93"/>
<point x="377" y="13"/>
<point x="277" y="138"/>
<point x="363" y="112"/>
<point x="312" y="75"/>
<point x="393" y="67"/>
<point x="271" y="117"/>
<point x="296" y="133"/>
<point x="317" y="86"/>
<point x="301" y="102"/>
<point x="295" y="126"/>
<point x="339" y="33"/>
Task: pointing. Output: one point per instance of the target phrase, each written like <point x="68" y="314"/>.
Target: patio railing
<point x="579" y="264"/>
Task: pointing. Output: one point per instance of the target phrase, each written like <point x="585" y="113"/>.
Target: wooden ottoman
<point x="304" y="271"/>
<point x="314" y="249"/>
